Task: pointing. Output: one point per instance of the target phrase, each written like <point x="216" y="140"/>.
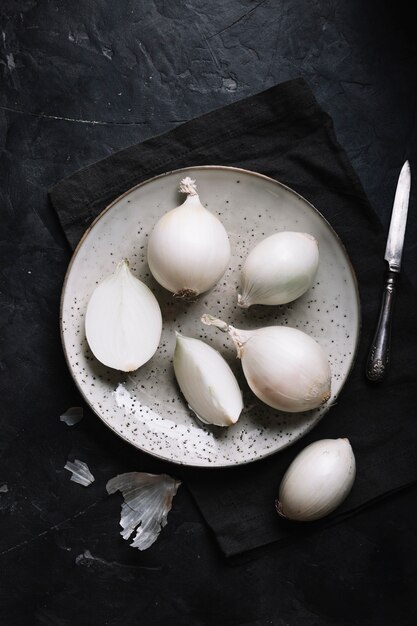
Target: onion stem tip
<point x="188" y="186"/>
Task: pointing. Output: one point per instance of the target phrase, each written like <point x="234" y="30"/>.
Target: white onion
<point x="207" y="382"/>
<point x="285" y="368"/>
<point x="317" y="481"/>
<point x="188" y="249"/>
<point x="279" y="269"/>
<point x="123" y="322"/>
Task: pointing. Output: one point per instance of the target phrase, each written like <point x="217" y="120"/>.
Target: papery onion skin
<point x="280" y="269"/>
<point x="147" y="502"/>
<point x="207" y="382"/>
<point x="80" y="472"/>
<point x="286" y="368"/>
<point x="123" y="321"/>
<point x="188" y="249"/>
<point x="317" y="481"/>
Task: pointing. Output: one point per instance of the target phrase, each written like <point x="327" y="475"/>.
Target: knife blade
<point x="379" y="354"/>
<point x="395" y="241"/>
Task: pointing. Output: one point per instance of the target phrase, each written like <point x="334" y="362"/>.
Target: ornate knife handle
<point x="380" y="350"/>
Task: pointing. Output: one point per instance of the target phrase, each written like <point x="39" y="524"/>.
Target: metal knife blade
<point x="379" y="354"/>
<point x="395" y="241"/>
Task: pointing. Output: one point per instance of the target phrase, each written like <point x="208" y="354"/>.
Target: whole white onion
<point x="188" y="249"/>
<point x="285" y="368"/>
<point x="279" y="269"/>
<point x="317" y="481"/>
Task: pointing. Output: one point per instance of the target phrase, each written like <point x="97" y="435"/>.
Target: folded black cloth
<point x="283" y="133"/>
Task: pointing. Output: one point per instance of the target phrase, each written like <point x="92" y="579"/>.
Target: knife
<point x="379" y="353"/>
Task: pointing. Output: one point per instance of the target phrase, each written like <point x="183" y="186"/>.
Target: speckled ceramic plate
<point x="145" y="408"/>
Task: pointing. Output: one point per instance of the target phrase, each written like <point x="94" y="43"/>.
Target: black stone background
<point x="79" y="80"/>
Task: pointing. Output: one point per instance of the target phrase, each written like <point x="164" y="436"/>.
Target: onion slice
<point x="207" y="382"/>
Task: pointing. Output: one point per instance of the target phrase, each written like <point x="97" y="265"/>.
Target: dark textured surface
<point x="80" y="80"/>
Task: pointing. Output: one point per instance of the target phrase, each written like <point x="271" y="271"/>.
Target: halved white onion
<point x="123" y="322"/>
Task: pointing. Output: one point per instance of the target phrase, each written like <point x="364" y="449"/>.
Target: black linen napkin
<point x="284" y="133"/>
